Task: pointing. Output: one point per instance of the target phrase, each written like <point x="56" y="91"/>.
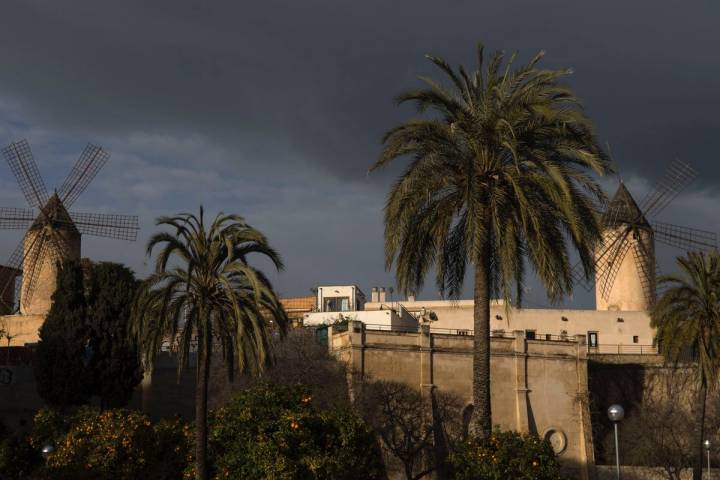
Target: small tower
<point x="52" y="239"/>
<point x="625" y="260"/>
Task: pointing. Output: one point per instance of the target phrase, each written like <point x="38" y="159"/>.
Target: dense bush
<point x="505" y="455"/>
<point x="17" y="457"/>
<point x="272" y="431"/>
<point x="112" y="444"/>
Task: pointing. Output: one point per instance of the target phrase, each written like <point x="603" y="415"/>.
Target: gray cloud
<point x="275" y="109"/>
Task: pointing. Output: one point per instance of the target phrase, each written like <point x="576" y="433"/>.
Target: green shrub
<point x="505" y="455"/>
<point x="17" y="457"/>
<point x="112" y="444"/>
<point x="272" y="431"/>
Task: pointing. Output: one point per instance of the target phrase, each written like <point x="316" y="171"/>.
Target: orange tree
<point x="505" y="455"/>
<point x="111" y="444"/>
<point x="274" y="431"/>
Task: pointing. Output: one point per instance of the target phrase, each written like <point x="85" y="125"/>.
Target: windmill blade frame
<point x="685" y="238"/>
<point x="121" y="227"/>
<point x="609" y="274"/>
<point x="22" y="163"/>
<point x="90" y="162"/>
<point x="37" y="255"/>
<point x="678" y="175"/>
<point x="610" y="241"/>
<point x="646" y="280"/>
<point x="16" y="218"/>
<point x="15" y="261"/>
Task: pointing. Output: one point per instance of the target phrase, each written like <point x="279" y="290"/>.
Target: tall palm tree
<point x="499" y="173"/>
<point x="687" y="319"/>
<point x="204" y="289"/>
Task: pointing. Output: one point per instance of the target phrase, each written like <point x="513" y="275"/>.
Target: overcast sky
<point x="274" y="109"/>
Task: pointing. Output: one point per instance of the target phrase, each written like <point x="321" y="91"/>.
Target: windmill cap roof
<point x="59" y="214"/>
<point x="623" y="209"/>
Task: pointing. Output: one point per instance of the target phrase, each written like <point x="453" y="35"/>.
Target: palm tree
<point x="204" y="289"/>
<point x="687" y="319"/>
<point x="499" y="173"/>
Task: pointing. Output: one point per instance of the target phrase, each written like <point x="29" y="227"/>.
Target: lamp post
<point x="706" y="444"/>
<point x="615" y="414"/>
<point x="47" y="450"/>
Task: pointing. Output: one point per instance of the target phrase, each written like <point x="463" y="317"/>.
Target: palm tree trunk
<point x="482" y="415"/>
<point x="700" y="433"/>
<point x="201" y="395"/>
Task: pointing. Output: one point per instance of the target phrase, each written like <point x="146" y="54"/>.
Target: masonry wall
<point x="537" y="386"/>
<point x="23" y="328"/>
<point x="613" y="328"/>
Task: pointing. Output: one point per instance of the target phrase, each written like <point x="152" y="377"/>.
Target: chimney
<point x="381" y="294"/>
<point x="374" y="295"/>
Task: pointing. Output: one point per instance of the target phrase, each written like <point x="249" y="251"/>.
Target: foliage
<point x="505" y="455"/>
<point x="210" y="293"/>
<point x="17" y="456"/>
<point x="417" y="432"/>
<point x="115" y="366"/>
<point x="273" y="431"/>
<point x="687" y="319"/>
<point x="498" y="175"/>
<point x="84" y="349"/>
<point x="687" y="316"/>
<point x="113" y="444"/>
<point x="60" y="361"/>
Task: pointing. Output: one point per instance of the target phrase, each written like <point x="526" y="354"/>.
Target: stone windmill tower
<point x="625" y="280"/>
<point x="625" y="267"/>
<point x="53" y="234"/>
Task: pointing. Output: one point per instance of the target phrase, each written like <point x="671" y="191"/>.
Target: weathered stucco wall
<point x="537" y="386"/>
<point x="613" y="328"/>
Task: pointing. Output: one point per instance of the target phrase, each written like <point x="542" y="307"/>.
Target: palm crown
<point x="687" y="315"/>
<point x="211" y="290"/>
<point x="503" y="160"/>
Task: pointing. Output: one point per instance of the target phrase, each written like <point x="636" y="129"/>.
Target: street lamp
<point x="706" y="444"/>
<point x="615" y="414"/>
<point x="47" y="450"/>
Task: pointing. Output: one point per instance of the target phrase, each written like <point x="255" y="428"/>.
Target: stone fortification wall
<point x="537" y="386"/>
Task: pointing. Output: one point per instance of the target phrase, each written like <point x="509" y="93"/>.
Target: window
<point x="636" y="339"/>
<point x="548" y="336"/>
<point x="530" y="334"/>
<point x="592" y="339"/>
<point x="336" y="304"/>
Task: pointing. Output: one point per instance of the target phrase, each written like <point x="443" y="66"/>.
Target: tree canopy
<point x="84" y="348"/>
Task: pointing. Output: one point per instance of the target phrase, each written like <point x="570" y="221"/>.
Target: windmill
<point x="52" y="232"/>
<point x="625" y="268"/>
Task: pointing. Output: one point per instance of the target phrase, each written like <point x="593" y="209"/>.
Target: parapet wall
<point x="538" y="386"/>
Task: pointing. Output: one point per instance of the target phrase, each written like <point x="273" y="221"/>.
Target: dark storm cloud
<point x="319" y="76"/>
<point x="267" y="101"/>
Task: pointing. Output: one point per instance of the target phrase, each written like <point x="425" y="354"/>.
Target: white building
<point x="606" y="331"/>
<point x="347" y="302"/>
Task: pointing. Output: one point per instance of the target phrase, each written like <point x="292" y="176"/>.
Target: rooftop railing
<point x="622" y="349"/>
